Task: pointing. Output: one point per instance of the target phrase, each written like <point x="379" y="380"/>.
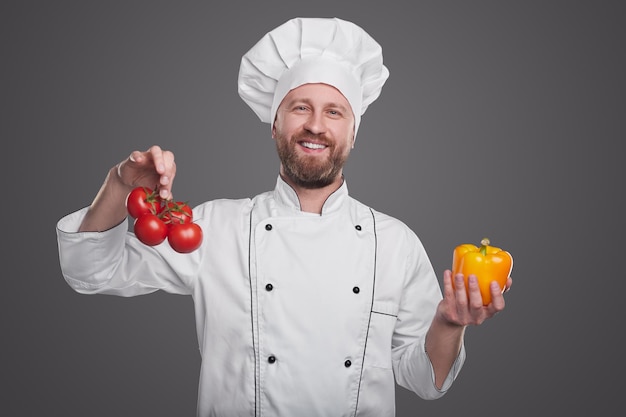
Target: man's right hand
<point x="154" y="168"/>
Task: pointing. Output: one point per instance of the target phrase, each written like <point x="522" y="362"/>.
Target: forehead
<point x="317" y="93"/>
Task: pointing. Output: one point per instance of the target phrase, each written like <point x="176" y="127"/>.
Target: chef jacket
<point x="297" y="314"/>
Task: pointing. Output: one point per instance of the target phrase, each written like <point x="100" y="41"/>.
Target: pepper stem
<point x="484" y="243"/>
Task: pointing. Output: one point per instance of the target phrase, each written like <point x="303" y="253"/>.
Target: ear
<point x="273" y="131"/>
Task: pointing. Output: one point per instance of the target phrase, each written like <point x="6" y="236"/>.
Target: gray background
<point x="502" y="119"/>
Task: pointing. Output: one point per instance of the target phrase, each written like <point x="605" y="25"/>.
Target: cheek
<point x="346" y="138"/>
<point x="343" y="129"/>
<point x="282" y="130"/>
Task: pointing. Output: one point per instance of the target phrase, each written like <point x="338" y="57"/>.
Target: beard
<point x="310" y="171"/>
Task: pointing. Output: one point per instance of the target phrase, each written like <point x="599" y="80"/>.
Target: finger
<point x="475" y="298"/>
<point x="164" y="165"/>
<point x="509" y="283"/>
<point x="497" y="297"/>
<point x="460" y="294"/>
<point x="448" y="288"/>
<point x="168" y="173"/>
<point x="156" y="153"/>
<point x="169" y="165"/>
<point x="137" y="157"/>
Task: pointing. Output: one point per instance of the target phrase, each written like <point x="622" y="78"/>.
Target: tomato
<point x="150" y="229"/>
<point x="184" y="237"/>
<point x="143" y="200"/>
<point x="157" y="219"/>
<point x="176" y="212"/>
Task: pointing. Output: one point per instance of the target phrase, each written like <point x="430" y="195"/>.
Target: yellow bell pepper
<point x="488" y="263"/>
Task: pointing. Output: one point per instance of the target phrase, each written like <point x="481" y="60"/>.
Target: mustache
<point x="309" y="137"/>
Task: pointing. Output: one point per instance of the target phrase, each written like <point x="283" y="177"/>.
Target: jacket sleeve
<point x="421" y="294"/>
<point x="115" y="262"/>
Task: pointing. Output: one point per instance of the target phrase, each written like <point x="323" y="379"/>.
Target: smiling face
<point x="314" y="132"/>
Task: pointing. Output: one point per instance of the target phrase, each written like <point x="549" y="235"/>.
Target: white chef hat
<point x="312" y="50"/>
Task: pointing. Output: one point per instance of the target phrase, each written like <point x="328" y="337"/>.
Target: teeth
<point x="313" y="145"/>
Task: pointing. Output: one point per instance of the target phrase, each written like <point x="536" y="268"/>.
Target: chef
<point x="307" y="301"/>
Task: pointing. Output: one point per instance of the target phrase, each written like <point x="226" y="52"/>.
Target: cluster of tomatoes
<point x="157" y="219"/>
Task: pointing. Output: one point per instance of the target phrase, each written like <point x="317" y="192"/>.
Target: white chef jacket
<point x="297" y="314"/>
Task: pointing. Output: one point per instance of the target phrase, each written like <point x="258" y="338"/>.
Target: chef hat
<point x="312" y="50"/>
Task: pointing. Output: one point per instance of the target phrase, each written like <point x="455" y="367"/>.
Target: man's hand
<point x="462" y="309"/>
<point x="154" y="168"/>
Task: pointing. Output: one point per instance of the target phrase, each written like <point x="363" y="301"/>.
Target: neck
<point x="312" y="199"/>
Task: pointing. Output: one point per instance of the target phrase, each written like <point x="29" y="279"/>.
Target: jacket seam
<point x="384" y="314"/>
<point x="252" y="326"/>
<point x="369" y="321"/>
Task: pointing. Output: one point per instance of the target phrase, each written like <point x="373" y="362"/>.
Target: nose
<point x="315" y="123"/>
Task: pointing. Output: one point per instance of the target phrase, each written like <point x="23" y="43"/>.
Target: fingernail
<point x="163" y="193"/>
<point x="165" y="180"/>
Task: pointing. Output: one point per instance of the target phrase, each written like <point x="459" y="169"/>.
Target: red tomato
<point x="176" y="212"/>
<point x="142" y="200"/>
<point x="149" y="229"/>
<point x="184" y="237"/>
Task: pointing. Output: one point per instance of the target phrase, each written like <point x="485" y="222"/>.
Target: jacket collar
<point x="287" y="197"/>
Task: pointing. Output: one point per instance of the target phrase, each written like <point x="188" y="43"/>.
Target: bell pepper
<point x="487" y="263"/>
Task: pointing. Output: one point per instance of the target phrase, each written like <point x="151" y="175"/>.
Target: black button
<point x="356" y="290"/>
<point x="269" y="287"/>
<point x="357" y="227"/>
<point x="347" y="363"/>
<point x="271" y="359"/>
<point x="268" y="227"/>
